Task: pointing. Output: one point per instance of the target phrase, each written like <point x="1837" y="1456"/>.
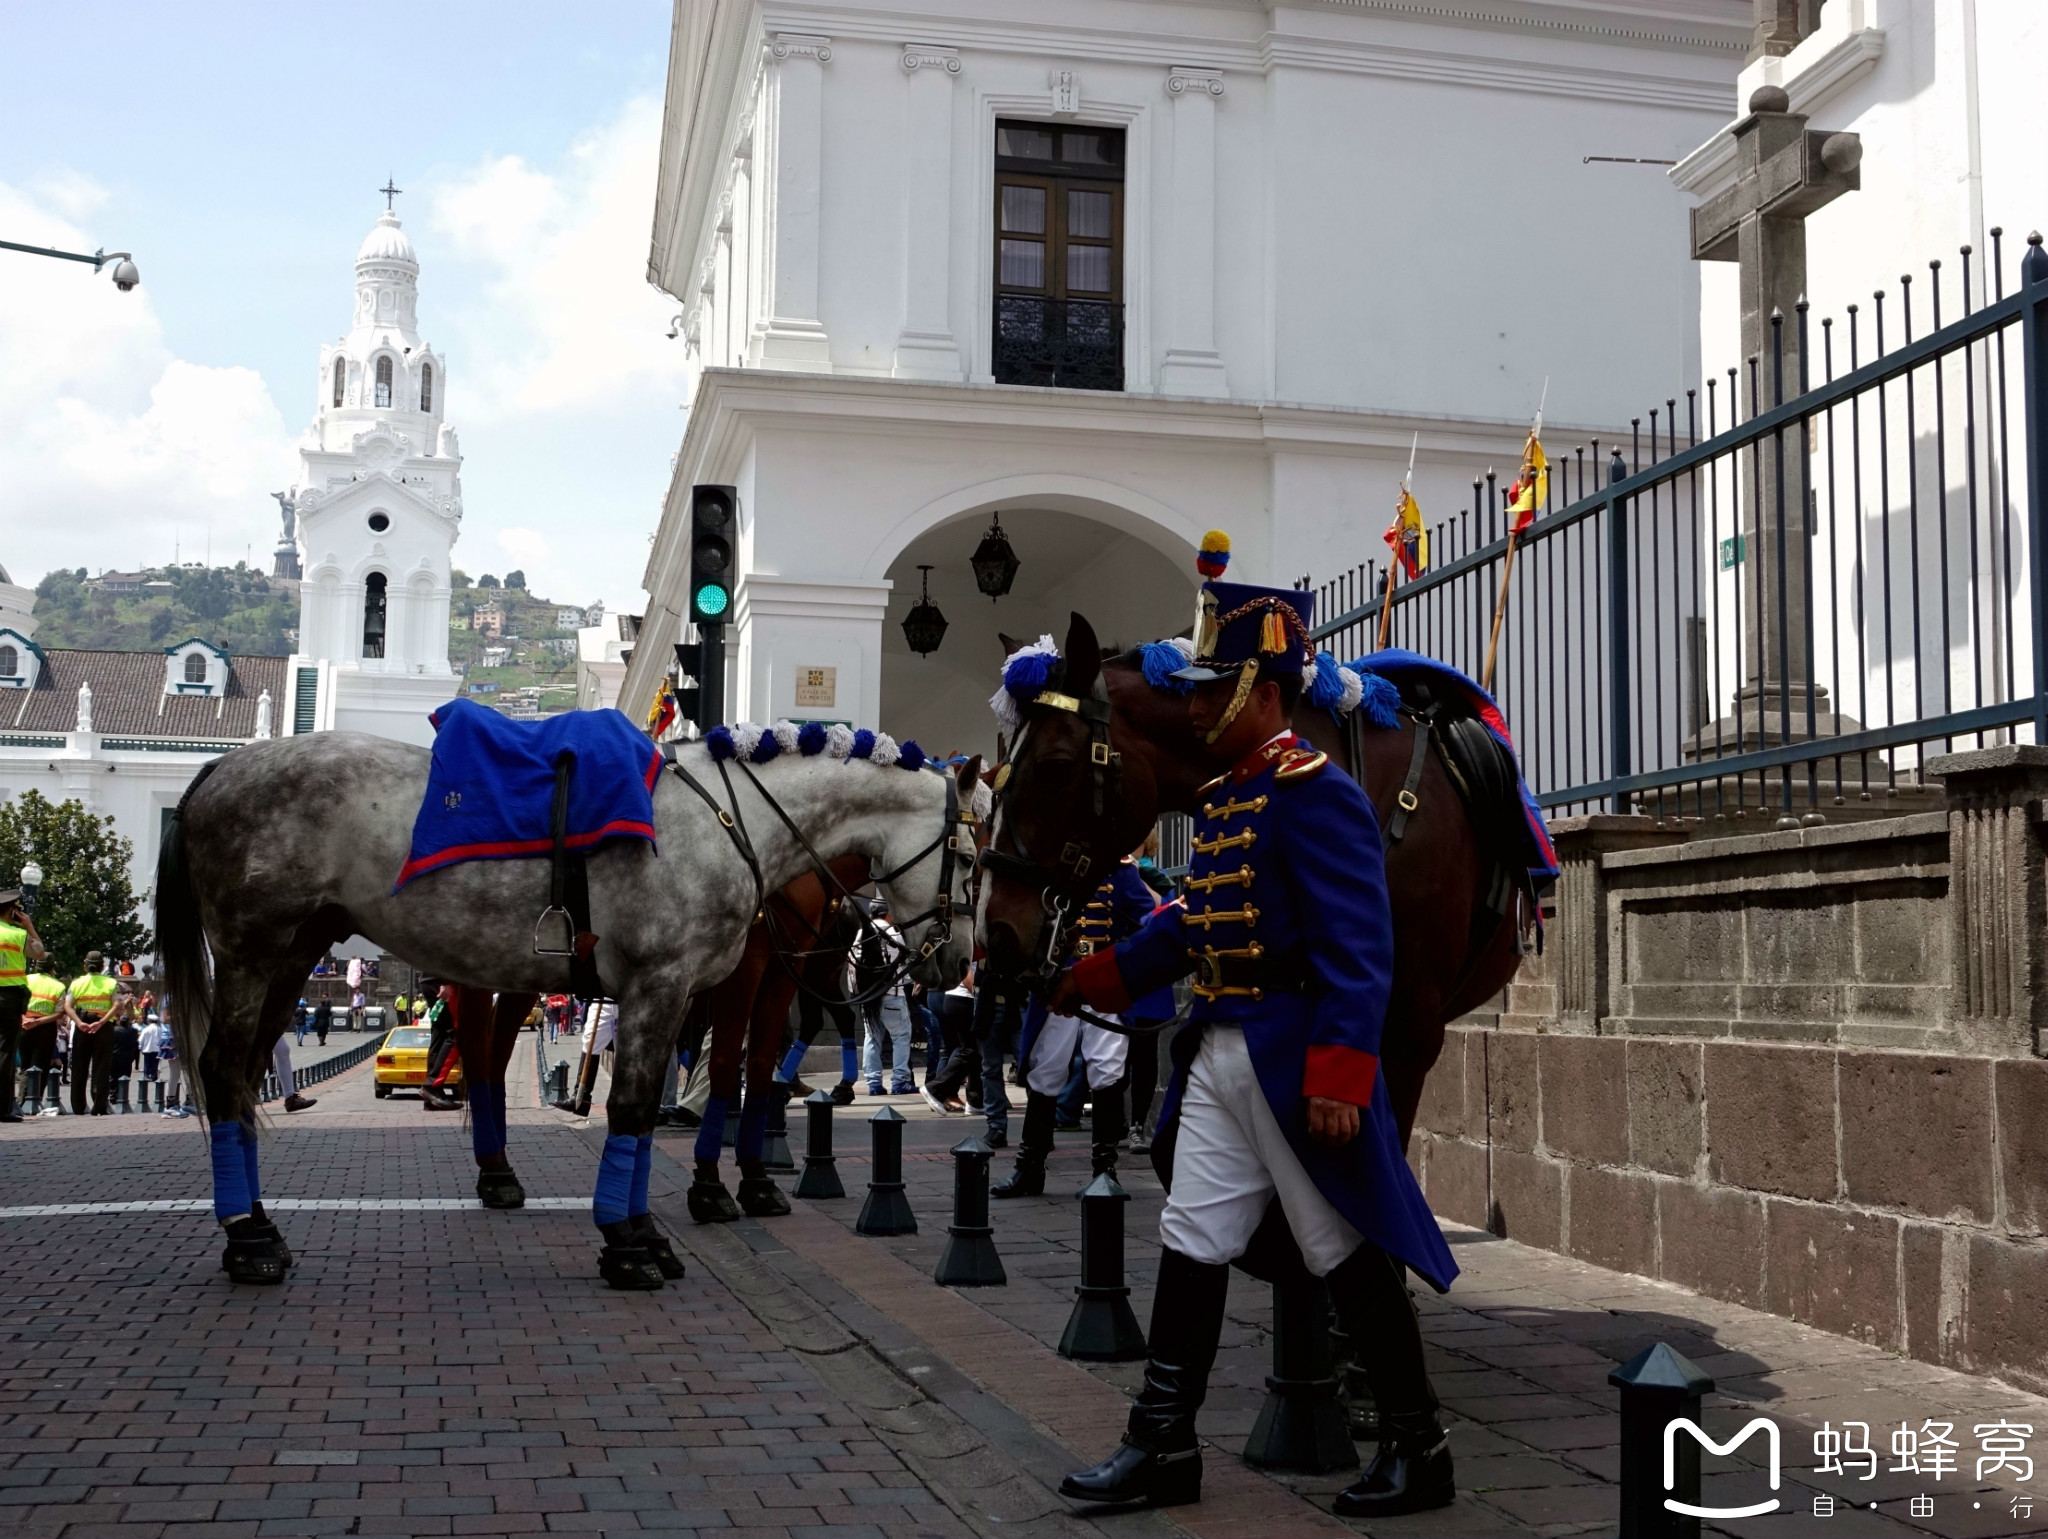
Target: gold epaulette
<point x="1299" y="764"/>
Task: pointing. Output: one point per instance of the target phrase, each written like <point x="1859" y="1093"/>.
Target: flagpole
<point x="1507" y="570"/>
<point x="1394" y="556"/>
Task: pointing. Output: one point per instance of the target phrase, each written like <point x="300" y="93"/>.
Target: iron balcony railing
<point x="1078" y="343"/>
<point x="1785" y="616"/>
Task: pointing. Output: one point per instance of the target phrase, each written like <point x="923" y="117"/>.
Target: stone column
<point x="1997" y="897"/>
<point x="1587" y="939"/>
<point x="1192" y="366"/>
<point x="926" y="349"/>
<point x="793" y="337"/>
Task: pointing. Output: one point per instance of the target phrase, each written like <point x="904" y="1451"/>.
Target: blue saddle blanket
<point x="491" y="788"/>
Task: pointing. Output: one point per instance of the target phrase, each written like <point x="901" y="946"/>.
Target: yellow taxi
<point x="402" y="1060"/>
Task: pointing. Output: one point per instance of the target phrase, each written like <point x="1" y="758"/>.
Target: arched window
<point x="195" y="667"/>
<point x="384" y="381"/>
<point x="10" y="663"/>
<point x="340" y="378"/>
<point x="426" y="387"/>
<point x="373" y="616"/>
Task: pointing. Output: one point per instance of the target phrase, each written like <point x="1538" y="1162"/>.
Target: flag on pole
<point x="1531" y="488"/>
<point x="663" y="716"/>
<point x="1407" y="536"/>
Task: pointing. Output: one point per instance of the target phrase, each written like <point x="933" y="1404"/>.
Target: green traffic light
<point x="712" y="599"/>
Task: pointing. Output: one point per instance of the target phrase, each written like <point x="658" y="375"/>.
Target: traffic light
<point x="690" y="696"/>
<point x="714" y="530"/>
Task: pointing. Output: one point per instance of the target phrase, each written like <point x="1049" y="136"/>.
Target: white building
<point x="379" y="506"/>
<point x="1124" y="270"/>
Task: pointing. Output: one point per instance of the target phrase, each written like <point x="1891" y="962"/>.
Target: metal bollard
<point x="1657" y="1386"/>
<point x="156" y="1090"/>
<point x="53" y="1089"/>
<point x="1102" y="1328"/>
<point x="121" y="1094"/>
<point x="887" y="1210"/>
<point x="558" y="1081"/>
<point x="1301" y="1426"/>
<point x="31" y="1093"/>
<point x="775" y="1138"/>
<point x="821" y="1173"/>
<point x="969" y="1259"/>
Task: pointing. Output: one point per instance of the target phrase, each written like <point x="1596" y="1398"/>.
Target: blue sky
<point x="236" y="149"/>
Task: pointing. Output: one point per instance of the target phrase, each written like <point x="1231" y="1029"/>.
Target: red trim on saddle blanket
<point x="509" y="849"/>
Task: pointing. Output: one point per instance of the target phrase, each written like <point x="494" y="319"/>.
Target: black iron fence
<point x="1779" y="597"/>
<point x="1078" y="343"/>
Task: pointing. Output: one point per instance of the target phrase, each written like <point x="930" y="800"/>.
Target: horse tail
<point x="181" y="939"/>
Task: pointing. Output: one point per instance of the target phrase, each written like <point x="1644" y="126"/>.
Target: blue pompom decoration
<point x="1326" y="689"/>
<point x="909" y="756"/>
<point x="1026" y="674"/>
<point x="810" y="739"/>
<point x="863" y="744"/>
<point x="1161" y="660"/>
<point x="1381" y="701"/>
<point x="719" y="741"/>
<point x="766" y="749"/>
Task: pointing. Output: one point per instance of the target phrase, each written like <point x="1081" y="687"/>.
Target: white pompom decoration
<point x="746" y="737"/>
<point x="838" y="740"/>
<point x="885" y="752"/>
<point x="785" y="734"/>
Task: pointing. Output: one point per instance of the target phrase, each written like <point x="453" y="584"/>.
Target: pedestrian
<point x="1277" y="1091"/>
<point x="399" y="1008"/>
<point x="151" y="1046"/>
<point x="322" y="1018"/>
<point x="281" y="1066"/>
<point x="600" y="1031"/>
<point x="882" y="1003"/>
<point x="39" y="1028"/>
<point x="93" y="1008"/>
<point x="127" y="1050"/>
<point x="944" y="1084"/>
<point x="174" y="1080"/>
<point x="442" y="1056"/>
<point x="19" y="947"/>
<point x="355" y="994"/>
<point x="822" y="995"/>
<point x="302" y="1022"/>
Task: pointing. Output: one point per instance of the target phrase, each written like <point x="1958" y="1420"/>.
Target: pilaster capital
<point x="784" y="46"/>
<point x="917" y="56"/>
<point x="1182" y="80"/>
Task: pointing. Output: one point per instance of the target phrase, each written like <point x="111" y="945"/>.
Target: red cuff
<point x="1100" y="981"/>
<point x="1340" y="1074"/>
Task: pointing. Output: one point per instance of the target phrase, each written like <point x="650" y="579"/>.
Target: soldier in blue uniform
<point x="1276" y="1091"/>
<point x="1114" y="910"/>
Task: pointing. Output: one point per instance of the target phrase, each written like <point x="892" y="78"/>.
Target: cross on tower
<point x="389" y="192"/>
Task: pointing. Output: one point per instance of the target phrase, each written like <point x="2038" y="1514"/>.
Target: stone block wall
<point x="1802" y="1070"/>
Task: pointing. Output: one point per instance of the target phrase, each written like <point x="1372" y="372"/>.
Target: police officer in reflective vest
<point x="95" y="1007"/>
<point x="1276" y="1091"/>
<point x="19" y="946"/>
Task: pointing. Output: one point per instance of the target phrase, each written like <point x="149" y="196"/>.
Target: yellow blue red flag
<point x="1531" y="488"/>
<point x="1408" y="537"/>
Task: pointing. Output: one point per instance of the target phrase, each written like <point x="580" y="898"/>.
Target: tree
<point x="515" y="579"/>
<point x="86" y="902"/>
<point x="487" y="581"/>
<point x="457" y="578"/>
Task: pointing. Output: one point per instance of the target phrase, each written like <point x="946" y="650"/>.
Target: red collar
<point x="1257" y="760"/>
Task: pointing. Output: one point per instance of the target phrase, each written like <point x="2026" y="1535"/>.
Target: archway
<point x="1071" y="558"/>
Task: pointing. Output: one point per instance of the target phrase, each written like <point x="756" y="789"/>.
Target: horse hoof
<point x="663" y="1254"/>
<point x="630" y="1268"/>
<point x="500" y="1189"/>
<point x="762" y="1198"/>
<point x="842" y="1093"/>
<point x="267" y="1233"/>
<point x="254" y="1261"/>
<point x="711" y="1203"/>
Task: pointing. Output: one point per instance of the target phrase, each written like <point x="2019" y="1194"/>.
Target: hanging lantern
<point x="924" y="627"/>
<point x="995" y="564"/>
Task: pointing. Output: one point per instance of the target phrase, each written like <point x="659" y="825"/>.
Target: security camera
<point x="126" y="276"/>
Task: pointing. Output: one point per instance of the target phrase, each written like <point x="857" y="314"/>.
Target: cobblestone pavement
<point x="452" y="1371"/>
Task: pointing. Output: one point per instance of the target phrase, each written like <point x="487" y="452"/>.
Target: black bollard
<point x="821" y="1173"/>
<point x="121" y="1092"/>
<point x="558" y="1080"/>
<point x="1102" y="1328"/>
<point x="53" y="1089"/>
<point x="969" y="1259"/>
<point x="1657" y="1386"/>
<point x="1301" y="1426"/>
<point x="887" y="1210"/>
<point x="775" y="1138"/>
<point x="31" y="1093"/>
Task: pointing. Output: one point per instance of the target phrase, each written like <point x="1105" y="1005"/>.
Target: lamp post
<point x="995" y="563"/>
<point x="125" y="275"/>
<point x="31" y="881"/>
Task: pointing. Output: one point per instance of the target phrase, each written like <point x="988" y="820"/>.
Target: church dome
<point x="387" y="242"/>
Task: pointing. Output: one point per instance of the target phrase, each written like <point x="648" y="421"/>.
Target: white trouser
<point x="281" y="1065"/>
<point x="1231" y="1157"/>
<point x="1052" y="1054"/>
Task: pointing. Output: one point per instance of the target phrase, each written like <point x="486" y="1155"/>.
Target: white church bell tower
<point x="378" y="506"/>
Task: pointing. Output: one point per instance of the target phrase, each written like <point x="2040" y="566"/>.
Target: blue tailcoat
<point x="1287" y="860"/>
<point x="1116" y="909"/>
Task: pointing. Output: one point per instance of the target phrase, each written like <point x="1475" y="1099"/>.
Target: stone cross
<point x="1784" y="171"/>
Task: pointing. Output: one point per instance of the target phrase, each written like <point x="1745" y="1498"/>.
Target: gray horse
<point x="280" y="849"/>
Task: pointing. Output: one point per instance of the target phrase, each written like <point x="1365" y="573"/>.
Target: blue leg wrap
<point x="643" y="1167"/>
<point x="230" y="1171"/>
<point x="711" y="1135"/>
<point x="753" y="1128"/>
<point x="792" y="1061"/>
<point x="487" y="1119"/>
<point x="849" y="1060"/>
<point x="687" y="1059"/>
<point x="614" y="1180"/>
<point x="248" y="1126"/>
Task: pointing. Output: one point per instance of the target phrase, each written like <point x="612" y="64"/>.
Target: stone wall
<point x="1797" y="1070"/>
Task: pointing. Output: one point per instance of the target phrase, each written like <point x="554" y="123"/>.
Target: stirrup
<point x="568" y="932"/>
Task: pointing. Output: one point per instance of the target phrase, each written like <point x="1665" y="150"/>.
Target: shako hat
<point x="1237" y="623"/>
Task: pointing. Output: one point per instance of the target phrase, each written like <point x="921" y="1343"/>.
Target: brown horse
<point x="1450" y="954"/>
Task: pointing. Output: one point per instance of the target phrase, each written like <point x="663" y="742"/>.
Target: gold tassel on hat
<point x="1273" y="633"/>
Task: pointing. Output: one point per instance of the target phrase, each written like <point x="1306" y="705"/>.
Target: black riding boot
<point x="1033" y="1145"/>
<point x="1160" y="1458"/>
<point x="1109" y="1129"/>
<point x="1412" y="1471"/>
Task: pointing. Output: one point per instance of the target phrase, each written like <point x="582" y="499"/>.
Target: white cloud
<point x="526" y="545"/>
<point x="114" y="450"/>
